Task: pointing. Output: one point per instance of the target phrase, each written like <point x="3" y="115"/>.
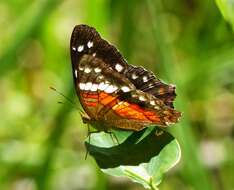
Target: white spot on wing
<point x="82" y="86"/>
<point x="100" y="77"/>
<point x="111" y="89"/>
<point x="94" y="87"/>
<point x="125" y="89"/>
<point x="88" y="85"/>
<point x="102" y="86"/>
<point x="142" y="98"/>
<point x="145" y="78"/>
<point x="74" y="48"/>
<point x="76" y="73"/>
<point x="97" y="70"/>
<point x="87" y="70"/>
<point x="81" y="68"/>
<point x="134" y="76"/>
<point x="118" y="67"/>
<point x="94" y="54"/>
<point x="134" y="95"/>
<point x="152" y="102"/>
<point x="80" y="48"/>
<point x="156" y="107"/>
<point x="90" y="44"/>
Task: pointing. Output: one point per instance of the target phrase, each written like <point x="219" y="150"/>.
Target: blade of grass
<point x="98" y="14"/>
<point x="126" y="10"/>
<point x="58" y="125"/>
<point x="25" y="27"/>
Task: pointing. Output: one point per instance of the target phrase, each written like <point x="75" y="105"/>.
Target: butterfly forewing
<point x="86" y="40"/>
<point x="115" y="93"/>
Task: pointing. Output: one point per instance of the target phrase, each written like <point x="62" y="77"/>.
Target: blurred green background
<point x="186" y="42"/>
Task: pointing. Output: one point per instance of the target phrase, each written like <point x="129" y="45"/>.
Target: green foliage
<point x="188" y="43"/>
<point x="227" y="9"/>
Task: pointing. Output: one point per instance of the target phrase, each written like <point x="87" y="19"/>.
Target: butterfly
<point x="113" y="93"/>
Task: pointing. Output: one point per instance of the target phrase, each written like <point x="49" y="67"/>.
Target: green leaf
<point x="142" y="156"/>
<point x="226" y="7"/>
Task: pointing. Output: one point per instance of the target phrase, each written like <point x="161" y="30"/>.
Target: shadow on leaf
<point x="136" y="148"/>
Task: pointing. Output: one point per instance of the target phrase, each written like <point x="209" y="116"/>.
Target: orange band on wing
<point x="122" y="108"/>
<point x="108" y="99"/>
<point x="103" y="95"/>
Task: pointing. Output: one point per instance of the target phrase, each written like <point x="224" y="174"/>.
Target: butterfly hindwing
<point x="147" y="82"/>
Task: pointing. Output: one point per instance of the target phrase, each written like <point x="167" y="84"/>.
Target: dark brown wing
<point x="147" y="82"/>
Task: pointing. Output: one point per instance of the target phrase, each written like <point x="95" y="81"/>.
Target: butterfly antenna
<point x="68" y="99"/>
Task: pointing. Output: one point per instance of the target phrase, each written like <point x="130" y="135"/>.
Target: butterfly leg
<point x="89" y="139"/>
<point x="88" y="135"/>
<point x="113" y="137"/>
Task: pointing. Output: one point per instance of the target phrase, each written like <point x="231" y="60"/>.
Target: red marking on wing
<point x="90" y="104"/>
<point x="102" y="98"/>
<point x="89" y="99"/>
<point x="89" y="95"/>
